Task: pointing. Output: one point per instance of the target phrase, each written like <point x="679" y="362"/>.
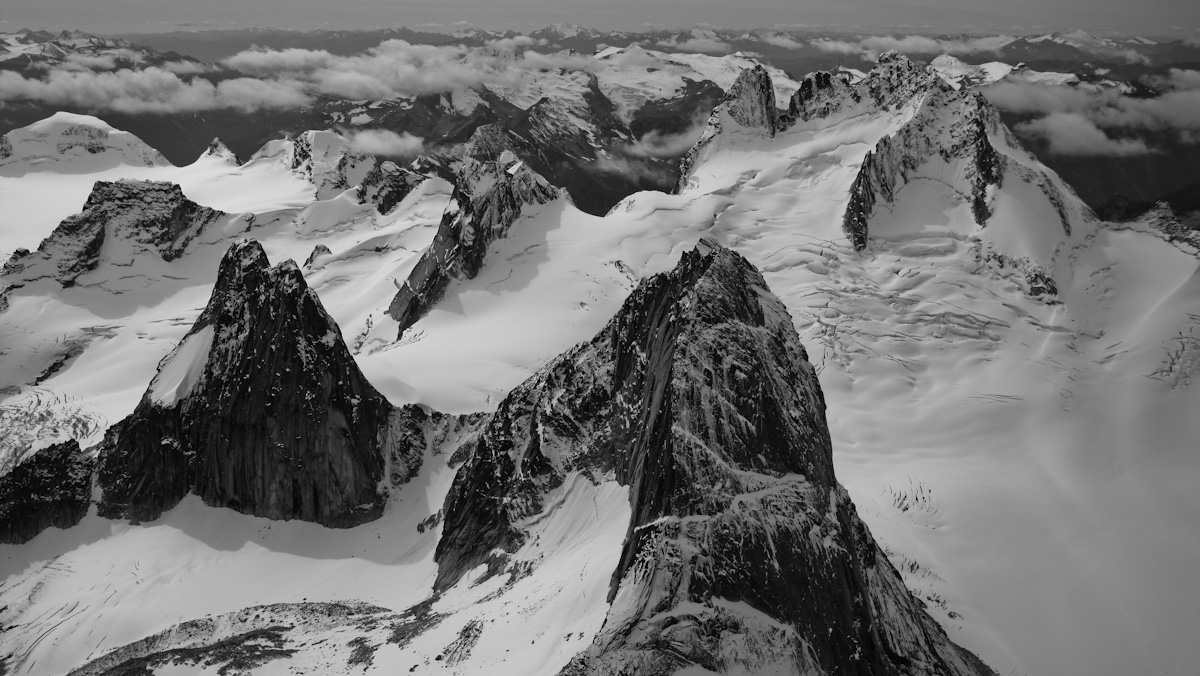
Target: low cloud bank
<point x="1074" y="118"/>
<point x="151" y="90"/>
<point x="285" y="78"/>
<point x="386" y="143"/>
<point x="1074" y="134"/>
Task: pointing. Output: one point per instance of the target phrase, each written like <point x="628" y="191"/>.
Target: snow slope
<point x="1028" y="462"/>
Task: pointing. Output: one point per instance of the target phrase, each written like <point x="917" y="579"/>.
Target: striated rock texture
<point x="751" y="100"/>
<point x="387" y="184"/>
<point x="51" y="487"/>
<point x="492" y="191"/>
<point x="750" y="103"/>
<point x="260" y="408"/>
<point x="124" y="218"/>
<point x="743" y="554"/>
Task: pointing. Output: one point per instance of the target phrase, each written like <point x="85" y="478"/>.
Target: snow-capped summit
<point x="960" y="74"/>
<point x="325" y="158"/>
<point x="72" y="143"/>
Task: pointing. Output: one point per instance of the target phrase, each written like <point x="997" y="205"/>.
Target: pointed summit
<point x="751" y="100"/>
<point x="217" y="148"/>
<point x="699" y="398"/>
<point x="260" y="408"/>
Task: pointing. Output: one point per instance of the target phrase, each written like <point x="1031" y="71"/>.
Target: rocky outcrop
<point x="387" y="184"/>
<point x="260" y="408"/>
<point x="743" y="554"/>
<point x="324" y="158"/>
<point x="820" y="94"/>
<point x="947" y="139"/>
<point x="892" y="83"/>
<point x="51" y="487"/>
<point x="217" y="148"/>
<point x="134" y="218"/>
<point x="492" y="191"/>
<point x="751" y="100"/>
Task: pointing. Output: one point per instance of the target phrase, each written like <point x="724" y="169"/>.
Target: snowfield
<point x="1029" y="463"/>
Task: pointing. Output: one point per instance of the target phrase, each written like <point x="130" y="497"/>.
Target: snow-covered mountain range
<point x="870" y="391"/>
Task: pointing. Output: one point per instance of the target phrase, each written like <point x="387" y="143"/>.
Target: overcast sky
<point x="109" y="16"/>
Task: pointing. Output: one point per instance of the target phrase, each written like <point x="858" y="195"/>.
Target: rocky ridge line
<point x="492" y="191"/>
<point x="743" y="552"/>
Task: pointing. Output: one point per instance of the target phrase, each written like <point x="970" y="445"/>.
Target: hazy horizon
<point x="1179" y="18"/>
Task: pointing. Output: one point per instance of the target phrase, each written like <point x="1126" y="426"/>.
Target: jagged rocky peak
<point x="73" y="143"/>
<point x="387" y="184"/>
<point x="893" y="82"/>
<point x="743" y="554"/>
<point x="948" y="138"/>
<point x="749" y="103"/>
<point x="135" y="218"/>
<point x="491" y="192"/>
<point x="260" y="408"/>
<point x="751" y="100"/>
<point x="820" y="93"/>
<point x="49" y="487"/>
<point x="217" y="148"/>
<point x="488" y="144"/>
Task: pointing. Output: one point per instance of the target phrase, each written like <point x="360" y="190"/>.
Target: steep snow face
<point x="70" y="143"/>
<point x="182" y="369"/>
<point x="260" y="408"/>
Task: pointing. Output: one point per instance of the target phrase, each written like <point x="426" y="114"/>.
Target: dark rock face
<point x="52" y="487"/>
<point x="819" y="95"/>
<point x="261" y="408"/>
<point x="492" y="190"/>
<point x="387" y="184"/>
<point x="950" y="127"/>
<point x="137" y="216"/>
<point x="750" y="103"/>
<point x="751" y="100"/>
<point x="892" y="82"/>
<point x="743" y="553"/>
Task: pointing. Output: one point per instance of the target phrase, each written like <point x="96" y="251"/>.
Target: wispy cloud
<point x="1074" y="134"/>
<point x="151" y="90"/>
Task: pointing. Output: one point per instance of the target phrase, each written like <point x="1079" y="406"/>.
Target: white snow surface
<point x="182" y="369"/>
<point x="1029" y="465"/>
